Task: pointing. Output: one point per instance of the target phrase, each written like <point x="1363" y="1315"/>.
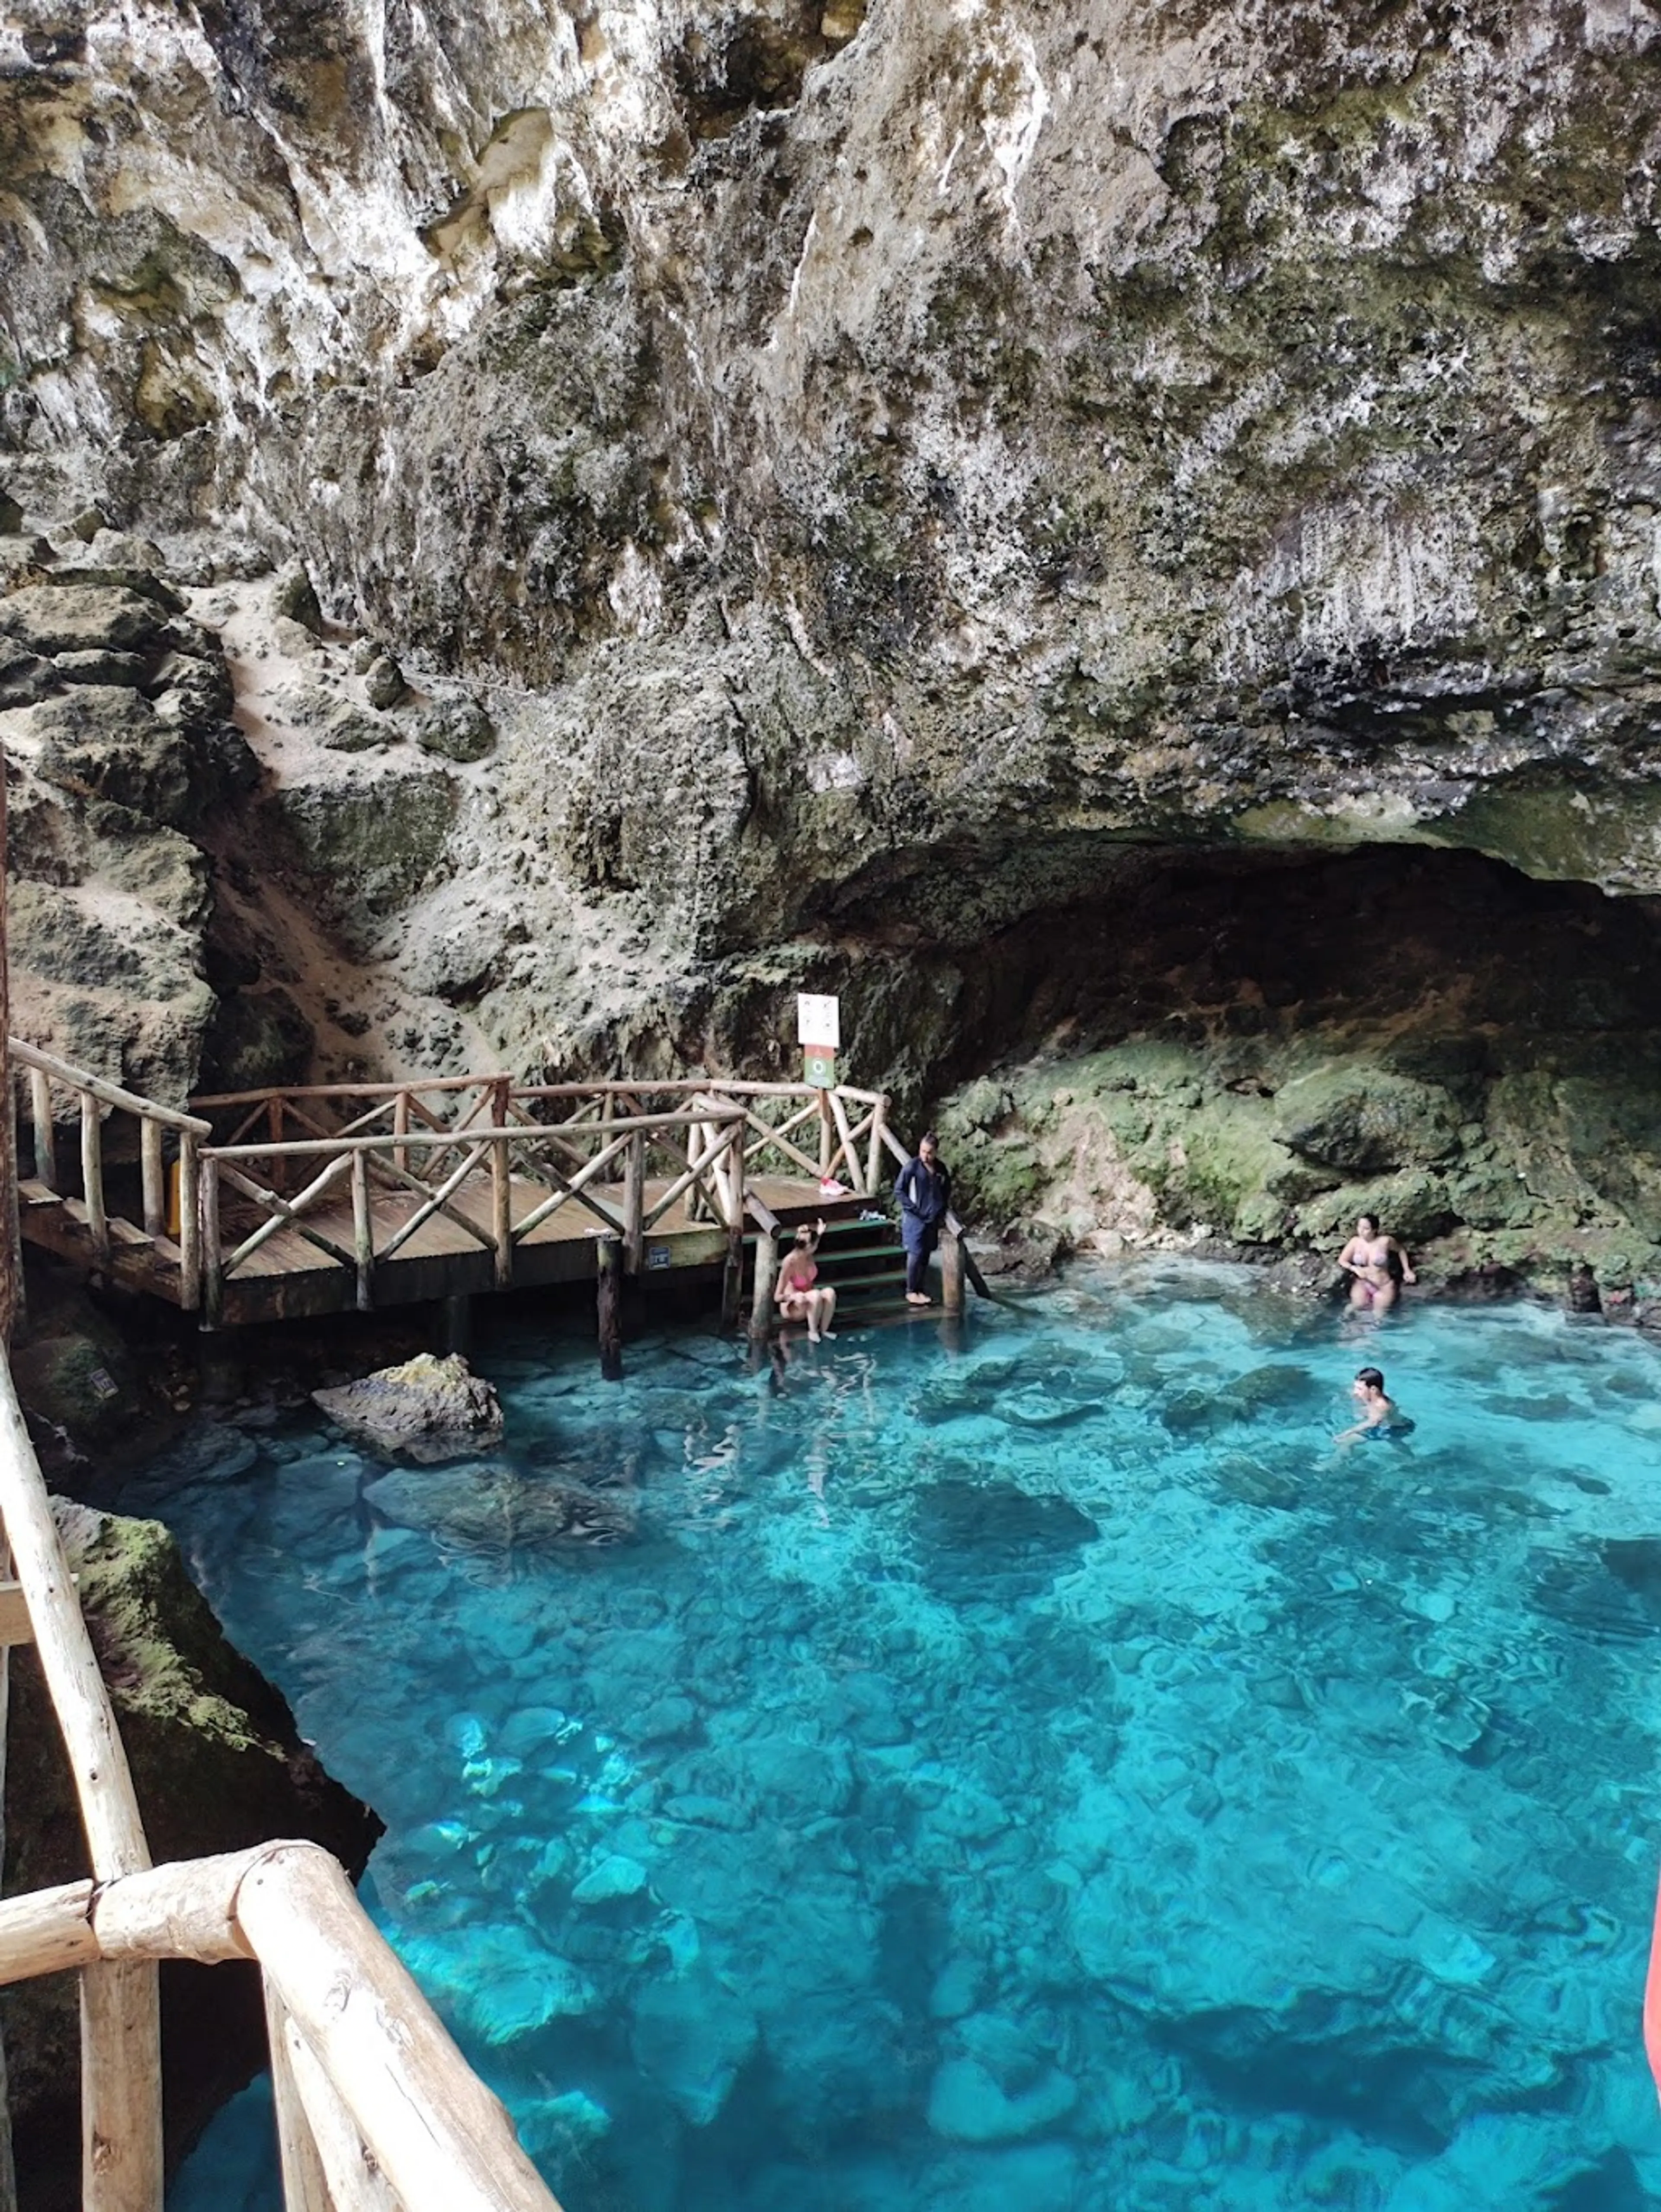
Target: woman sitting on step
<point x="797" y="1297"/>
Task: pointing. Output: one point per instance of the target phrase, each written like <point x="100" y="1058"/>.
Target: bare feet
<point x="918" y="1298"/>
<point x="813" y="1336"/>
<point x="827" y="1332"/>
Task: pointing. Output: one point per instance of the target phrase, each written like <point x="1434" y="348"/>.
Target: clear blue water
<point x="1039" y="1776"/>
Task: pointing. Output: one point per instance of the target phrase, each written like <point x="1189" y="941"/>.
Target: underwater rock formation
<point x="217" y="1765"/>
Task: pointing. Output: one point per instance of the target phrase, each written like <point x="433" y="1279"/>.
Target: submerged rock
<point x="492" y="1511"/>
<point x="427" y="1409"/>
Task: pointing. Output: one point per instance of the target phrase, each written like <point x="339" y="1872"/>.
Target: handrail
<point x="107" y="1093"/>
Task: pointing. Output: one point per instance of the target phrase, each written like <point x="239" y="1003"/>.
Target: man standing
<point x="923" y="1187"/>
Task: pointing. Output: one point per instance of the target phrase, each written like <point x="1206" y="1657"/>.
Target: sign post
<point x="818" y="1032"/>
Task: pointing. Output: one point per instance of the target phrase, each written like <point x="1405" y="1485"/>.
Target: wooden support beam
<point x="633" y="1203"/>
<point x="155" y="1178"/>
<point x="305" y="2185"/>
<point x="609" y="1298"/>
<point x="45" y="1136"/>
<point x="189" y="1224"/>
<point x="761" y="1297"/>
<point x="362" y="1232"/>
<point x="212" y="1247"/>
<point x="92" y="1175"/>
<point x="874" y="1161"/>
<point x="951" y="1270"/>
<point x="501" y="1211"/>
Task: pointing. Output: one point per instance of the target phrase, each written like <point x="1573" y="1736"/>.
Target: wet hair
<point x="1372" y="1376"/>
<point x="927" y="1137"/>
<point x="1370" y="1219"/>
<point x="805" y="1238"/>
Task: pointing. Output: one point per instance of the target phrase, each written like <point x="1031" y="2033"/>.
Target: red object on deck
<point x="1652" y="2000"/>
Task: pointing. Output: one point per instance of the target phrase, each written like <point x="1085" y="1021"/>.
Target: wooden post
<point x="362" y="1231"/>
<point x="633" y="1203"/>
<point x="213" y="1249"/>
<point x="502" y="1187"/>
<point x="92" y="1175"/>
<point x="761" y="1297"/>
<point x="401" y="1128"/>
<point x="827" y="1135"/>
<point x="951" y="1270"/>
<point x="120" y="2088"/>
<point x="873" y="1163"/>
<point x="455" y="1327"/>
<point x="46" y="1135"/>
<point x="732" y="1281"/>
<point x="189" y="1224"/>
<point x="155" y="1180"/>
<point x="279" y="1168"/>
<point x="304" y="2186"/>
<point x="501" y="1212"/>
<point x="697" y="1207"/>
<point x="610" y="1300"/>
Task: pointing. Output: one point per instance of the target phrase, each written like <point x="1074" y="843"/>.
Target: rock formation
<point x="789" y="493"/>
<point x="217" y="1765"/>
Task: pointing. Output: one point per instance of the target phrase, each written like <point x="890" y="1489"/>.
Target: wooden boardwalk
<point x="273" y="1205"/>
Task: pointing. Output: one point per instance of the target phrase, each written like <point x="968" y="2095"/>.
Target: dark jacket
<point x="924" y="1194"/>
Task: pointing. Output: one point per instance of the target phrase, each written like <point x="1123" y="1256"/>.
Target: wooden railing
<point x="376" y="2109"/>
<point x="600" y="1148"/>
<point x="159" y="1126"/>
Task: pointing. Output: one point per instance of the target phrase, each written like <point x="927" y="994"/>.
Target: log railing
<point x="159" y="1129"/>
<point x="375" y="2107"/>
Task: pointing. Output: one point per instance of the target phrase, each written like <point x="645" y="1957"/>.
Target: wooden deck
<point x="337" y="1199"/>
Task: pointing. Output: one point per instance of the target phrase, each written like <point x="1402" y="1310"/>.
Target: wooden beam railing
<point x="95" y="1097"/>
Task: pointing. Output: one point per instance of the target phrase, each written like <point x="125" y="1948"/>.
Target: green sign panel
<point x="818" y="1067"/>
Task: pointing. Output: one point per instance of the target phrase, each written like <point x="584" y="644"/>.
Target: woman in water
<point x="794" y="1292"/>
<point x="1366" y="1258"/>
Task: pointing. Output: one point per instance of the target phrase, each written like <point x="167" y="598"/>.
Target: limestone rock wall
<point x="876" y="465"/>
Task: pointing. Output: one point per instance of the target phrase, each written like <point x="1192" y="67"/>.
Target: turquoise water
<point x="1039" y="1776"/>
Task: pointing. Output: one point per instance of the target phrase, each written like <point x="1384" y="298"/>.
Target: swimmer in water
<point x="1366" y="1259"/>
<point x="1380" y="1415"/>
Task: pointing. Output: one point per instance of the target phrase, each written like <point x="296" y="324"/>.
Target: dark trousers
<point x="920" y="1238"/>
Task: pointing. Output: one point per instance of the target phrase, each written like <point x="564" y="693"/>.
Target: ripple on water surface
<point x="1040" y="1778"/>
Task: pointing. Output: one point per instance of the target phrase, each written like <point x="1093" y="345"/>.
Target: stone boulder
<point x="427" y="1409"/>
<point x="217" y="1765"/>
<point x="82" y="618"/>
<point x="1367" y="1120"/>
<point x="455" y="729"/>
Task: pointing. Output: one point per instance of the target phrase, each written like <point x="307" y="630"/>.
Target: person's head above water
<point x="806" y="1238"/>
<point x="1366" y="1226"/>
<point x="929" y="1146"/>
<point x="1367" y="1379"/>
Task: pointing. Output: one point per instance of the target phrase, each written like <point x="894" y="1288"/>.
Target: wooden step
<point x="32" y="1194"/>
<point x="121" y="1232"/>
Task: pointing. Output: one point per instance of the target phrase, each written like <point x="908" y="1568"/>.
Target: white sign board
<point x="818" y="1020"/>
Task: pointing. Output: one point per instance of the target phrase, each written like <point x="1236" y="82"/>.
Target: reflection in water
<point x="1044" y="1778"/>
